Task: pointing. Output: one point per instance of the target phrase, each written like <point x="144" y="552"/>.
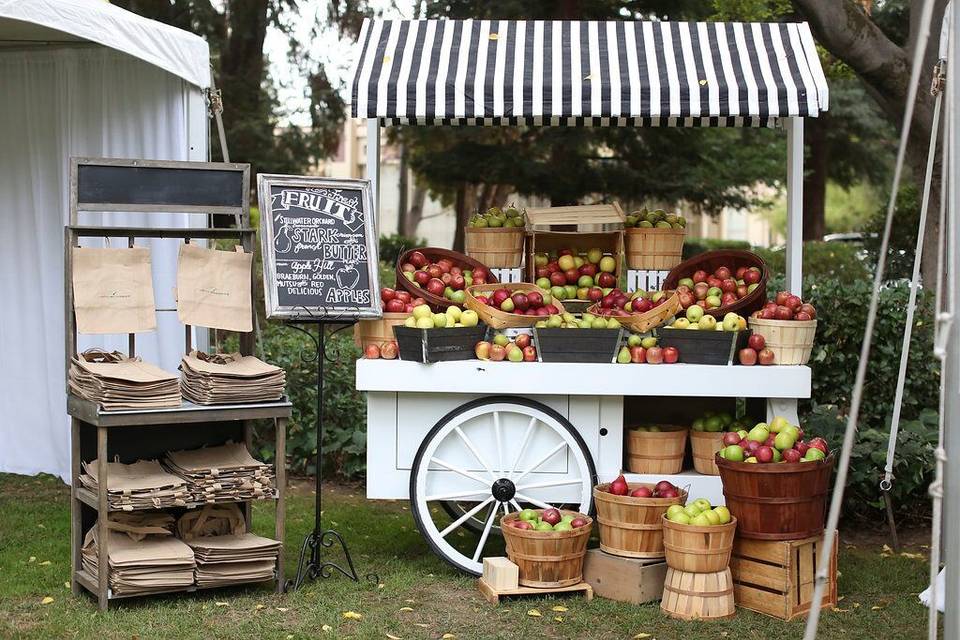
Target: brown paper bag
<point x="213" y="288"/>
<point x="113" y="290"/>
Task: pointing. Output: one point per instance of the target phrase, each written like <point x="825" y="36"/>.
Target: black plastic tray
<point x="438" y="345"/>
<point x="577" y="345"/>
<point x="704" y="347"/>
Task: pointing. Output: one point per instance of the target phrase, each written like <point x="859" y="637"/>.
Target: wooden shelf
<point x="89" y="498"/>
<point x="91" y="413"/>
<point x="89" y="582"/>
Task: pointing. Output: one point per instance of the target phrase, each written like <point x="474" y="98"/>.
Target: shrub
<point x="846" y="262"/>
<point x="393" y="245"/>
<point x="696" y="246"/>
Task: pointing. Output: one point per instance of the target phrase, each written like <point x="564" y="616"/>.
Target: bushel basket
<point x="499" y="247"/>
<point x="632" y="527"/>
<point x="379" y="330"/>
<point x="547" y="559"/>
<point x="710" y="261"/>
<point x="700" y="549"/>
<point x="783" y="501"/>
<point x="656" y="451"/>
<point x="698" y="596"/>
<point x="653" y="249"/>
<point x="790" y="340"/>
<point x="705" y="445"/>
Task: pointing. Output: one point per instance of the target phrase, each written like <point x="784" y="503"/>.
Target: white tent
<point x="78" y="78"/>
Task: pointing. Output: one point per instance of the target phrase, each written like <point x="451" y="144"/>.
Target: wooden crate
<point x="500" y="574"/>
<point x="493" y="595"/>
<point x="579" y="228"/>
<point x="632" y="580"/>
<point x="777" y="577"/>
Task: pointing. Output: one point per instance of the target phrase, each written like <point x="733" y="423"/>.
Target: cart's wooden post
<point x="794" y="266"/>
<point x="280" y="469"/>
<point x="103" y="519"/>
<point x="76" y="508"/>
<point x="373" y="167"/>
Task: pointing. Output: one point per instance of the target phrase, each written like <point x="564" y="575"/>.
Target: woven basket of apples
<point x="720" y="282"/>
<point x="638" y="311"/>
<point x="440" y="276"/>
<point x="504" y="306"/>
<point x="698" y="537"/>
<point x="547" y="545"/>
<point x="788" y="326"/>
<point x="775" y="482"/>
<point x="629" y="516"/>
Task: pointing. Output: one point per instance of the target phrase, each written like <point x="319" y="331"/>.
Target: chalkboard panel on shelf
<point x="319" y="248"/>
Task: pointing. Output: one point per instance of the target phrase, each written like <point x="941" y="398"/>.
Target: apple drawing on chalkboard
<point x="347" y="276"/>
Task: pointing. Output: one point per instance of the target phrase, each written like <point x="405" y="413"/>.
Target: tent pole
<point x="951" y="379"/>
<point x="373" y="167"/>
<point x="794" y="258"/>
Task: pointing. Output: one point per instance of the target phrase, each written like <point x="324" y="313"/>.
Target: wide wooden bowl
<point x="710" y="261"/>
<point x="501" y="319"/>
<point x="434" y="254"/>
<point x="643" y="322"/>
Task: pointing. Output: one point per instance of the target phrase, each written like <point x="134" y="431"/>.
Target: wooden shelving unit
<point x="214" y="189"/>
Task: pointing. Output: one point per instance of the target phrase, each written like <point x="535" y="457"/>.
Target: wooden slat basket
<point x="643" y="322"/>
<point x="790" y="340"/>
<point x="705" y="445"/>
<point x="657" y="451"/>
<point x="497" y="319"/>
<point x="632" y="527"/>
<point x="700" y="549"/>
<point x="653" y="249"/>
<point x="698" y="596"/>
<point x="500" y="248"/>
<point x="547" y="559"/>
<point x="377" y="331"/>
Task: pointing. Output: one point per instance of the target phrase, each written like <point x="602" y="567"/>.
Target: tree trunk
<point x="402" y="209"/>
<point x="465" y="205"/>
<point x="815" y="179"/>
<point x="415" y="212"/>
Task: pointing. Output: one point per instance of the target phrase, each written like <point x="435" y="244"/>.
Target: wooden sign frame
<point x="268" y="230"/>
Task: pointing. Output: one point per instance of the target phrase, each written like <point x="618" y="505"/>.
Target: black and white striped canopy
<point x="491" y="72"/>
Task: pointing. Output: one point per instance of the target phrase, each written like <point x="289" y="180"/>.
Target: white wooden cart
<point x="466" y="441"/>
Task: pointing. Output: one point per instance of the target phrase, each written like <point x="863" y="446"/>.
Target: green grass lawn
<point x="418" y="595"/>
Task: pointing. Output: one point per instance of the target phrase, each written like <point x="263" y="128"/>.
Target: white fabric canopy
<point x="58" y="102"/>
<point x="40" y="21"/>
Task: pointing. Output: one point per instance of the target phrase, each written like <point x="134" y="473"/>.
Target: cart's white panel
<point x="643" y="280"/>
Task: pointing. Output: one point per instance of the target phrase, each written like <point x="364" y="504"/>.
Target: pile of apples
<point x="423" y="317"/>
<point x="662" y="489"/>
<point x="396" y="301"/>
<point x="699" y="513"/>
<point x="494" y="217"/>
<point x="658" y="218"/>
<point x="619" y="304"/>
<point x="718" y="289"/>
<point x="640" y="350"/>
<point x="547" y="520"/>
<point x="520" y="349"/>
<point x="779" y="441"/>
<point x="585" y="321"/>
<point x="532" y="303"/>
<point x="570" y="276"/>
<point x="695" y="318"/>
<point x="441" y="278"/>
<point x="786" y="306"/>
<point x="756" y="352"/>
<point x="712" y="422"/>
<point x="386" y="350"/>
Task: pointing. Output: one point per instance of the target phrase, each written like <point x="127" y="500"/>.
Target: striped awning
<point x="492" y="72"/>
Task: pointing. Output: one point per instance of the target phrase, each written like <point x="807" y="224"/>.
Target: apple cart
<point x="468" y="441"/>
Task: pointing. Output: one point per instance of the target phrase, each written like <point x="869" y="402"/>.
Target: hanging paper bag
<point x="213" y="288"/>
<point x="113" y="290"/>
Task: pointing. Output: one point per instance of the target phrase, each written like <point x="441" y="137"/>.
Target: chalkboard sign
<point x="150" y="185"/>
<point x="319" y="248"/>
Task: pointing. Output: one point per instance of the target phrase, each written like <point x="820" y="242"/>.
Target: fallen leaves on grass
<point x="45" y="563"/>
<point x="282" y="609"/>
<point x="557" y="619"/>
<point x="839" y="610"/>
<point x="406" y="608"/>
<point x="260" y="606"/>
<point x="393" y="637"/>
<point x="352" y="615"/>
<point x="448" y="636"/>
<point x="46" y="600"/>
<point x="326" y="628"/>
<point x="641" y="636"/>
<point x="912" y="556"/>
<point x="32" y="559"/>
<point x="222" y="604"/>
<point x="534" y="613"/>
<point x="558" y="608"/>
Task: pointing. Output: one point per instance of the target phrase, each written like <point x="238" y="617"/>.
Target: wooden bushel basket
<point x="496" y="318"/>
<point x="547" y="559"/>
<point x="698" y="596"/>
<point x="653" y="249"/>
<point x="785" y="501"/>
<point x="790" y="340"/>
<point x="698" y="549"/>
<point x="657" y="451"/>
<point x="705" y="445"/>
<point x="632" y="527"/>
<point x="501" y="248"/>
<point x="377" y="331"/>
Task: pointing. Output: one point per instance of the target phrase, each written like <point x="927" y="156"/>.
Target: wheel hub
<point x="503" y="490"/>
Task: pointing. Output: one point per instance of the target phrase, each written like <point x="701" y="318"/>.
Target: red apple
<point x="535" y="298"/>
<point x="408" y="267"/>
<point x="418" y="260"/>
<point x="421" y="278"/>
<point x="654" y="355"/>
<point x="793" y="303"/>
<point x="764" y="454"/>
<point x="434" y="270"/>
<point x="606" y="280"/>
<point x="394" y="306"/>
<point x="553" y="267"/>
<point x="663" y="485"/>
<point x="588" y="269"/>
<point x="756" y="342"/>
<point x="458" y="282"/>
<point x="767" y="314"/>
<point x="529" y="354"/>
<point x="747" y="357"/>
<point x="741" y="291"/>
<point x="782" y="296"/>
<point x="497" y="353"/>
<point x="371" y="351"/>
<point x="687" y="299"/>
<point x="739" y="272"/>
<point x="389" y="350"/>
<point x="571" y="276"/>
<point x="820" y="443"/>
<point x="766" y="356"/>
<point x="722" y="272"/>
<point x="557" y="279"/>
<point x="387" y="294"/>
<point x="522" y="524"/>
<point x="791" y="455"/>
<point x="731" y="437"/>
<point x="714" y="281"/>
<point x="446" y="278"/>
<point x="728" y="298"/>
<point x="520" y="301"/>
<point x="801" y="447"/>
<point x="784" y="313"/>
<point x="436" y="286"/>
<point x="638" y="355"/>
<point x="752" y="276"/>
<point x="801" y="316"/>
<point x="670" y="355"/>
<point x="483" y="299"/>
<point x="806" y="307"/>
<point x="668" y="493"/>
<point x="522" y="340"/>
<point x="700" y="290"/>
<point x="594" y="294"/>
<point x="619" y="486"/>
<point x="699" y="276"/>
<point x="482" y="350"/>
<point x="576" y="523"/>
<point x="498" y="297"/>
<point x="404" y="296"/>
<point x="641" y="492"/>
<point x="542" y="272"/>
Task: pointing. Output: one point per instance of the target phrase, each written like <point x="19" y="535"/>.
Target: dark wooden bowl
<point x="710" y="261"/>
<point x="434" y="254"/>
<point x="785" y="501"/>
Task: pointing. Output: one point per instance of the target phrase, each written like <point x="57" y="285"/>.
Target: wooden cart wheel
<point x="499" y="454"/>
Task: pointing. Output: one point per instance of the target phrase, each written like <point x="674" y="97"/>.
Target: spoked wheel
<point x="487" y="458"/>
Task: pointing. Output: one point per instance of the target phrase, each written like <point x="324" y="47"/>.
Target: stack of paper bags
<point x="227" y="473"/>
<point x="144" y="557"/>
<point x="225" y="553"/>
<point x="115" y="381"/>
<point x="141" y="485"/>
<point x="229" y="378"/>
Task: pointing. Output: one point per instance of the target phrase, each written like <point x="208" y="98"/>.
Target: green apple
<point x="562" y="526"/>
<point x="692" y="510"/>
<point x="458" y="297"/>
<point x="570" y="291"/>
<point x="708" y="322"/>
<point x="544" y="283"/>
<point x="440" y="320"/>
<point x="681" y="323"/>
<point x="714" y="291"/>
<point x="578" y="262"/>
<point x="594" y="255"/>
<point x="742" y="433"/>
<point x="777" y="456"/>
<point x="422" y="311"/>
<point x="724" y="514"/>
<point x="778" y="424"/>
<point x="700" y="520"/>
<point x="501" y="340"/>
<point x="713" y="301"/>
<point x="733" y="453"/>
<point x="751" y="287"/>
<point x="554" y="321"/>
<point x="698" y="425"/>
<point x="410" y="322"/>
<point x="680" y="517"/>
<point x="674" y="509"/>
<point x="558" y="292"/>
<point x="813" y="454"/>
<point x="713" y="424"/>
<point x="566" y="263"/>
<point x="599" y="323"/>
<point x="634" y="340"/>
<point x="515" y="354"/>
<point x="568" y="518"/>
<point x="648" y="342"/>
<point x="469" y="318"/>
<point x="547" y="297"/>
<point x="703" y="504"/>
<point x="752" y="460"/>
<point x="694" y="313"/>
<point x="694" y="326"/>
<point x="408" y="275"/>
<point x="507" y="305"/>
<point x="624" y="356"/>
<point x="529" y="515"/>
<point x="731" y="322"/>
<point x="688" y="282"/>
<point x="608" y="264"/>
<point x="759" y="433"/>
<point x="784" y="440"/>
<point x="541" y="324"/>
<point x="613" y="323"/>
<point x="425" y="323"/>
<point x="448" y="292"/>
<point x="544" y="526"/>
<point x="712" y="516"/>
<point x="585" y="282"/>
<point x="454" y="312"/>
